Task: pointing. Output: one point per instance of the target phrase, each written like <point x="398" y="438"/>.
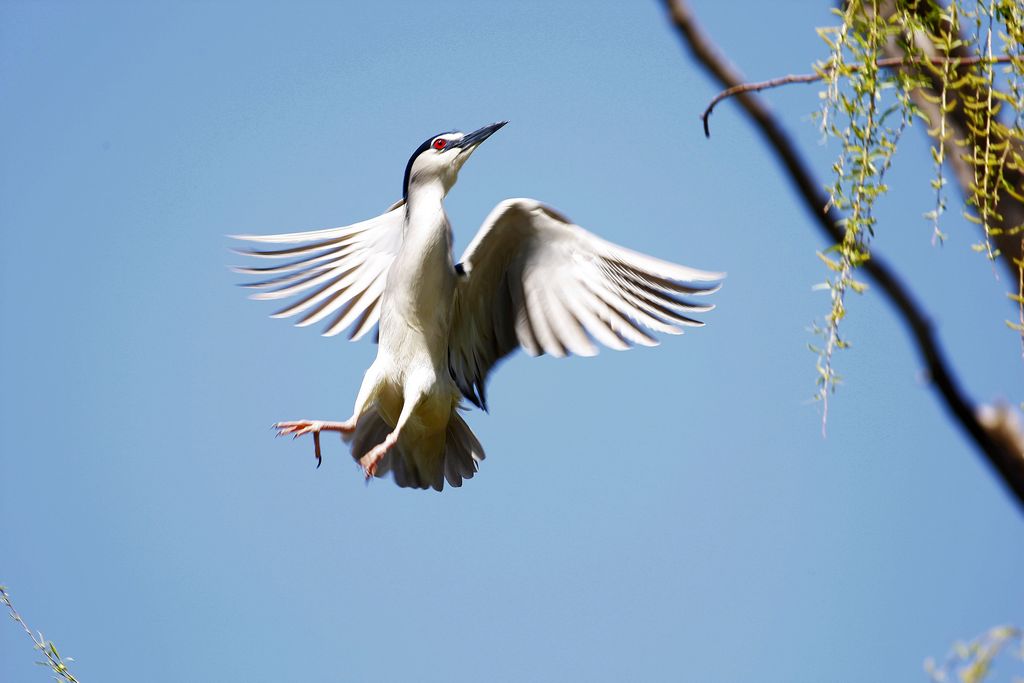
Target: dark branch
<point x="1006" y="464"/>
<point x="887" y="63"/>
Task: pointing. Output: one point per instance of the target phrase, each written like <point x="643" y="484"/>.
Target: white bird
<point x="530" y="278"/>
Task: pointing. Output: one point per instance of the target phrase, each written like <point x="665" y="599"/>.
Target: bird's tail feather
<point x="462" y="451"/>
<point x="417" y="462"/>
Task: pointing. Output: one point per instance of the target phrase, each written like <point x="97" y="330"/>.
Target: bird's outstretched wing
<point x="536" y="280"/>
<point x="338" y="271"/>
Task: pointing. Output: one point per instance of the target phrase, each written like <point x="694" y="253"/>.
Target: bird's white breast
<point x="417" y="303"/>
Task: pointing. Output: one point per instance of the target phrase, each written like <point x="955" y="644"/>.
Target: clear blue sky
<point x="660" y="515"/>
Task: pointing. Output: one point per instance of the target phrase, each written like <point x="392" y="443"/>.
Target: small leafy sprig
<point x="52" y="657"/>
<point x="860" y="110"/>
<point x="972" y="662"/>
<point x="946" y="42"/>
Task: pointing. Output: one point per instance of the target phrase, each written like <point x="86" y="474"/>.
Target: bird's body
<point x="410" y="372"/>
<point x="529" y="279"/>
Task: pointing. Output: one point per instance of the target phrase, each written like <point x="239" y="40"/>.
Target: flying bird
<point x="530" y="279"/>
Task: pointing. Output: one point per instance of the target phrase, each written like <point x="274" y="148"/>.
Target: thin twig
<point x="1008" y="466"/>
<point x="886" y="63"/>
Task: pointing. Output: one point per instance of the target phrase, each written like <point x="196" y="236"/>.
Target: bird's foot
<point x="299" y="427"/>
<point x="373" y="457"/>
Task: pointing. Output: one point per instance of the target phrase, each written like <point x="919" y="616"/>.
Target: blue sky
<point x="663" y="514"/>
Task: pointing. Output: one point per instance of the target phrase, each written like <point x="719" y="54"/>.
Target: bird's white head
<point x="440" y="158"/>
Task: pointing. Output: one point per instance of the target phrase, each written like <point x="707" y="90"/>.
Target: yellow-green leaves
<point x="964" y="61"/>
<point x="866" y="108"/>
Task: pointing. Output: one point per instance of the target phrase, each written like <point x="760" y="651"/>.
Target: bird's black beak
<point x="471" y="140"/>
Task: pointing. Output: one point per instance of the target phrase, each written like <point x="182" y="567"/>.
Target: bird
<point x="530" y="279"/>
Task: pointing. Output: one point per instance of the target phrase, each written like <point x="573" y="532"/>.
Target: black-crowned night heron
<point x="530" y="278"/>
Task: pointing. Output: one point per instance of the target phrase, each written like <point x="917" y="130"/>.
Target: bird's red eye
<point x="440" y="143"/>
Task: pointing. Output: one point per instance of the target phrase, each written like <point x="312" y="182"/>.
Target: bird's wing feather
<point x="337" y="272"/>
<point x="534" y="279"/>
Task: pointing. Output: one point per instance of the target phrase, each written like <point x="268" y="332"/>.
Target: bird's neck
<point x="424" y="209"/>
<point x="422" y="279"/>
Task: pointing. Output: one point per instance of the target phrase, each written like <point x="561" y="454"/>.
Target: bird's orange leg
<point x="369" y="461"/>
<point x="374" y="455"/>
<point x="299" y="427"/>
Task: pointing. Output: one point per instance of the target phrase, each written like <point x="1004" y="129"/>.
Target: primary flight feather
<point x="530" y="279"/>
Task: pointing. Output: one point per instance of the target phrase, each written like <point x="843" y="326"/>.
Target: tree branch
<point x="1007" y="465"/>
<point x="887" y="63"/>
